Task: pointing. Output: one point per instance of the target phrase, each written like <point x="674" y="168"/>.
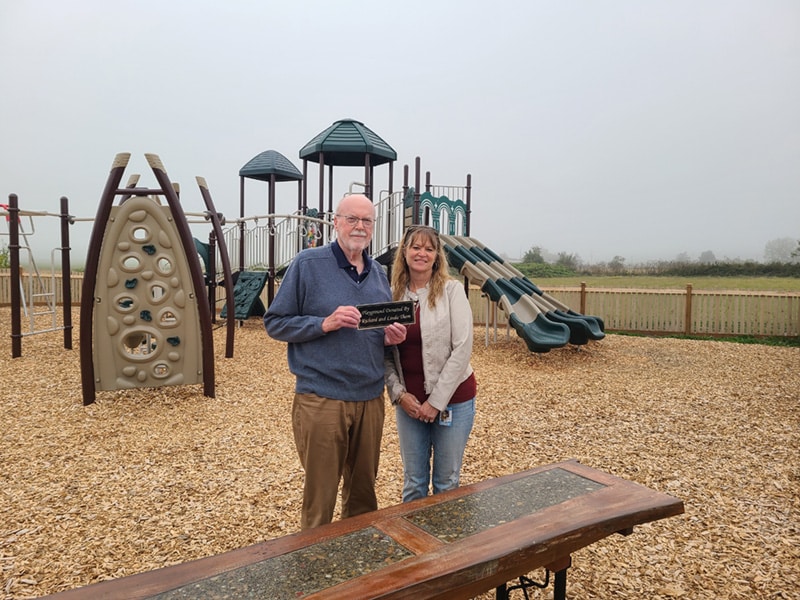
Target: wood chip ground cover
<point x="153" y="477"/>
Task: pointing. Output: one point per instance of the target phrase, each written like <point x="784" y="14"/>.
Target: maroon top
<point x="413" y="374"/>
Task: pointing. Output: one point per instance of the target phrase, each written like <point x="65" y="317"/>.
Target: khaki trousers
<point x="337" y="441"/>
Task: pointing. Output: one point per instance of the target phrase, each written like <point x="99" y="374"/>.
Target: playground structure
<point x="40" y="288"/>
<point x="541" y="320"/>
<point x="538" y="318"/>
<point x="145" y="288"/>
<point x="145" y="319"/>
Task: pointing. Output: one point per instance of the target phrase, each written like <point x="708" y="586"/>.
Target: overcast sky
<point x="596" y="128"/>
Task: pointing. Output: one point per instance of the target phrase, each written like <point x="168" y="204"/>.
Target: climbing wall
<point x="146" y="328"/>
<point x="246" y="292"/>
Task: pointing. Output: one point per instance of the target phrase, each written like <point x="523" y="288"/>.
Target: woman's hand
<point x="427" y="413"/>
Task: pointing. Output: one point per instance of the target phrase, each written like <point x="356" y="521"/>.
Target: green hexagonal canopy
<point x="347" y="143"/>
<point x="268" y="163"/>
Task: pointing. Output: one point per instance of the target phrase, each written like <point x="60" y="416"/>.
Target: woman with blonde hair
<point x="428" y="376"/>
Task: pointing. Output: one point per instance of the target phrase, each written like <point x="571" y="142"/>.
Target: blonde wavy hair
<point x="400" y="273"/>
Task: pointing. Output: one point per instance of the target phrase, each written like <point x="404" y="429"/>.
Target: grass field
<point x="756" y="284"/>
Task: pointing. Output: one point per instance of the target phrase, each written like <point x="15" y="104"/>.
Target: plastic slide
<point x="538" y="318"/>
<point x="560" y="311"/>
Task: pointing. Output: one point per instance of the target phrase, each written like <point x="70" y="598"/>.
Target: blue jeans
<point x="420" y="441"/>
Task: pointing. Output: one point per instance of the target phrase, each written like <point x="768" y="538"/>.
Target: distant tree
<point x="617" y="264"/>
<point x="570" y="261"/>
<point x="796" y="252"/>
<point x="707" y="258"/>
<point x="781" y="250"/>
<point x="534" y="255"/>
<point x="683" y="258"/>
<point x="4" y="258"/>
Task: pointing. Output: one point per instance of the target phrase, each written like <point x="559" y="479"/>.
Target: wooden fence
<point x="657" y="312"/>
<point x="665" y="312"/>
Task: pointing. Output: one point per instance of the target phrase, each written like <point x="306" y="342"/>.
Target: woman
<point x="429" y="377"/>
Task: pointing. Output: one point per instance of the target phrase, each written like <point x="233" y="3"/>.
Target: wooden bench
<point x="454" y="545"/>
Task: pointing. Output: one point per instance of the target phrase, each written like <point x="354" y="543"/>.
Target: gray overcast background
<point x="643" y="129"/>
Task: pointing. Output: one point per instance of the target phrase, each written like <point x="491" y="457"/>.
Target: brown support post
<point x="331" y="205"/>
<point x="271" y="248"/>
<point x="304" y="193"/>
<point x="211" y="275"/>
<point x="217" y="234"/>
<point x="415" y="217"/>
<point x="194" y="268"/>
<point x="90" y="275"/>
<point x="368" y="190"/>
<point x="367" y="178"/>
<point x="66" y="273"/>
<point x="321" y="183"/>
<point x="16" y="281"/>
<point x="466" y="232"/>
<point x="301" y="205"/>
<point x="300" y="197"/>
<point x="241" y="224"/>
<point x="406" y="187"/>
<point x="391" y="191"/>
<point x="469" y="204"/>
<point x="687" y="325"/>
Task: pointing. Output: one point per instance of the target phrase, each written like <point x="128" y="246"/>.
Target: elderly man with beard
<point x="338" y="409"/>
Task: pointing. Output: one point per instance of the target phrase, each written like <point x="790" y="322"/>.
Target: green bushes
<point x="663" y="268"/>
<point x="542" y="270"/>
<point x="728" y="269"/>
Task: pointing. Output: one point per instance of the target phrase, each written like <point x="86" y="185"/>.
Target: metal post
<point x="66" y="273"/>
<point x="16" y="295"/>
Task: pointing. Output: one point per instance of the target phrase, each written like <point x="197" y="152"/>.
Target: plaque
<point x="385" y="313"/>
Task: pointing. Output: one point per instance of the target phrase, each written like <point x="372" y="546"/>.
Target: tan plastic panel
<point x="146" y="325"/>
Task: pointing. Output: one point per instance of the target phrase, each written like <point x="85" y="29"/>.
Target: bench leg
<point x="560" y="585"/>
<point x="560" y="580"/>
<point x="559" y="568"/>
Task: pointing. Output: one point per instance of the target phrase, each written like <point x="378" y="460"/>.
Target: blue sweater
<point x="346" y="364"/>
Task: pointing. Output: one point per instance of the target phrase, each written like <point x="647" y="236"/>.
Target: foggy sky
<point x="614" y="128"/>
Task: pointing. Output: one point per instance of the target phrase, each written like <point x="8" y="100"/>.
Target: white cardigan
<point x="446" y="346"/>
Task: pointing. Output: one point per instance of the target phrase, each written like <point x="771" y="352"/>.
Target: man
<point x="338" y="409"/>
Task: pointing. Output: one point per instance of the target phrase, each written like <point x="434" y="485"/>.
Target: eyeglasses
<point x="353" y="221"/>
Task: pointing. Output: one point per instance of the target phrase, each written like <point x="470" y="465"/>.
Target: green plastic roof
<point x="268" y="163"/>
<point x="346" y="143"/>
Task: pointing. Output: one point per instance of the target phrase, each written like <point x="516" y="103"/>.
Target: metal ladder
<point x="38" y="290"/>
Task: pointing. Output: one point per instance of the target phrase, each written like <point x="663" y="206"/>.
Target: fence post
<point x="583" y="297"/>
<point x="687" y="324"/>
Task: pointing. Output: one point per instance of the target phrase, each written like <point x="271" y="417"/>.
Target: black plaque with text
<point x="385" y="313"/>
